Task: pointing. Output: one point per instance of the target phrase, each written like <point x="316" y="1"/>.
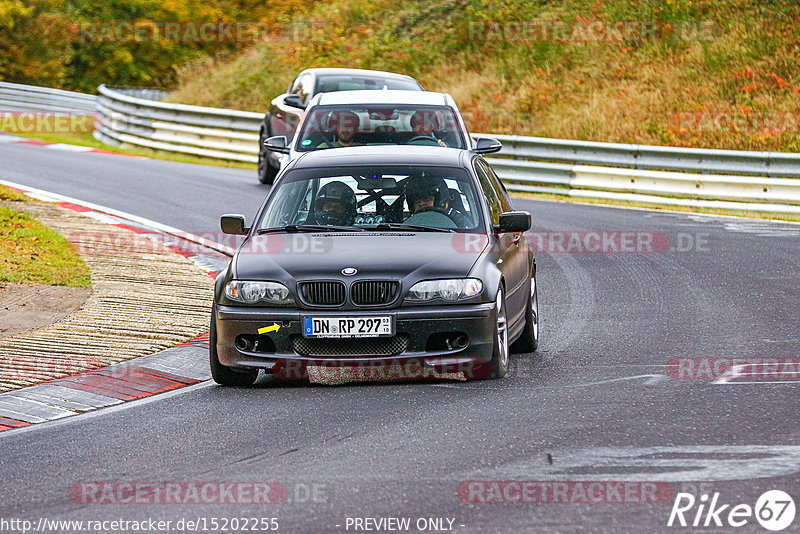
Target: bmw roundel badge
<point x="349" y="271"/>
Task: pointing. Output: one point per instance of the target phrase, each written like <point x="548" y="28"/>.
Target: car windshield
<point x="390" y="198"/>
<point x="338" y="82"/>
<point x="380" y="124"/>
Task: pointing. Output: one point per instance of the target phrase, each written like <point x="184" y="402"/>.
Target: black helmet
<point x="340" y="193"/>
<point x="425" y="186"/>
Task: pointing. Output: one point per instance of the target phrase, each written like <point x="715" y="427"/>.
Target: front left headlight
<point x="255" y="292"/>
<point x="447" y="290"/>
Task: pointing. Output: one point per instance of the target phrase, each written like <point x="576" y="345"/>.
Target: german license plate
<point x="380" y="326"/>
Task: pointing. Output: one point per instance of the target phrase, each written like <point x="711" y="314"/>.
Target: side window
<point x="489" y="192"/>
<point x="306" y="87"/>
<point x="295" y="87"/>
<point x="505" y="199"/>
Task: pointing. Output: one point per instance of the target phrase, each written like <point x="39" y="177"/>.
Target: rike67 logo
<point x="774" y="510"/>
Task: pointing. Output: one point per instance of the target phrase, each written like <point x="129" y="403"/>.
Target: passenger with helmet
<point x="335" y="205"/>
<point x="427" y="198"/>
<point x="424" y="124"/>
<point x="346" y="124"/>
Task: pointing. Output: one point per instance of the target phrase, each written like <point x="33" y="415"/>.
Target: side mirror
<point x="487" y="145"/>
<point x="277" y="143"/>
<point x="233" y="224"/>
<point x="295" y="101"/>
<point x="514" y="221"/>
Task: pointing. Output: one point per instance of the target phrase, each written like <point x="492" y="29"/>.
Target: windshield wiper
<point x="295" y="228"/>
<point x="411" y="227"/>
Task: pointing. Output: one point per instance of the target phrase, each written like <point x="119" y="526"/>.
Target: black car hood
<point x="387" y="255"/>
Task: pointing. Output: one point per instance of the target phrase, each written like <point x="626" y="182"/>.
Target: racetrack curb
<point x="153" y="294"/>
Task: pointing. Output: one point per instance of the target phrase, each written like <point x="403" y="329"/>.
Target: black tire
<point x="225" y="375"/>
<point x="528" y="341"/>
<point x="266" y="172"/>
<point x="498" y="367"/>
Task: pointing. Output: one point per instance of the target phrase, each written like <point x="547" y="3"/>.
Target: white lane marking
<point x="736" y="371"/>
<point x="4" y="138"/>
<point x="55" y="197"/>
<point x="654" y="379"/>
<point x="679" y="463"/>
<point x="70" y="148"/>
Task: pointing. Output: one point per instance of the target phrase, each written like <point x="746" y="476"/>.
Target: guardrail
<point x="755" y="181"/>
<point x="16" y="97"/>
<point x="211" y="132"/>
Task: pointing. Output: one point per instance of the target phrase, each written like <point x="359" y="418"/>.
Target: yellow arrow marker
<point x="272" y="328"/>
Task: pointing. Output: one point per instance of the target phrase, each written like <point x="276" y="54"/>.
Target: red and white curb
<point x="141" y="377"/>
<point x="135" y="379"/>
<point x="14" y="139"/>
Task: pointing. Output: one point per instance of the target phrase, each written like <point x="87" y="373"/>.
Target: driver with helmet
<point x="427" y="198"/>
<point x="335" y="205"/>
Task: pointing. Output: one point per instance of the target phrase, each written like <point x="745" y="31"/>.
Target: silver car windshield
<point x="392" y="197"/>
<point x="379" y="124"/>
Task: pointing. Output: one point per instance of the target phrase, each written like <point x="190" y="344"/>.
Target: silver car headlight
<point x="254" y="292"/>
<point x="448" y="290"/>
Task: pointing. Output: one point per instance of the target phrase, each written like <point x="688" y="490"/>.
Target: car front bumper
<point x="426" y="338"/>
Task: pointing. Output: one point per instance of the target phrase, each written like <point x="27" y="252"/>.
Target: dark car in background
<point x="378" y="256"/>
<point x="286" y="110"/>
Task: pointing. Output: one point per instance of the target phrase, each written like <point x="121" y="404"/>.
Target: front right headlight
<point x="449" y="290"/>
<point x="249" y="292"/>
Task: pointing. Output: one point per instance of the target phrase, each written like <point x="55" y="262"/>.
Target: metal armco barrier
<point x="16" y="97"/>
<point x="731" y="179"/>
<point x="754" y="181"/>
<point x="215" y="133"/>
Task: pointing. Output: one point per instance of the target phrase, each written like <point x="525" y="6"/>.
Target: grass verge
<point x="10" y="194"/>
<point x="32" y="253"/>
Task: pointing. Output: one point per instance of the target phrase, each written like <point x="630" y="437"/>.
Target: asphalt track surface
<point x="596" y="403"/>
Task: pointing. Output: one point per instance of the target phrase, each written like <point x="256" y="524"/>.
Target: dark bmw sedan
<point x="398" y="261"/>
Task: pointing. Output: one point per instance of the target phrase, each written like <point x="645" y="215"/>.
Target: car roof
<point x="382" y="155"/>
<point x="425" y="98"/>
<point x="357" y="72"/>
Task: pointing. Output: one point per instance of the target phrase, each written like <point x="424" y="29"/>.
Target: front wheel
<point x="529" y="339"/>
<point x="266" y="172"/>
<point x="225" y="375"/>
<point x="499" y="364"/>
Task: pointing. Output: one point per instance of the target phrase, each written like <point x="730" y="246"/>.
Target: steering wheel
<point x="432" y="208"/>
<point x="441" y="210"/>
<point x="427" y="138"/>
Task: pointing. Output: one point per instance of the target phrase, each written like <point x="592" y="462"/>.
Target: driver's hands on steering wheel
<point x="427" y="138"/>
